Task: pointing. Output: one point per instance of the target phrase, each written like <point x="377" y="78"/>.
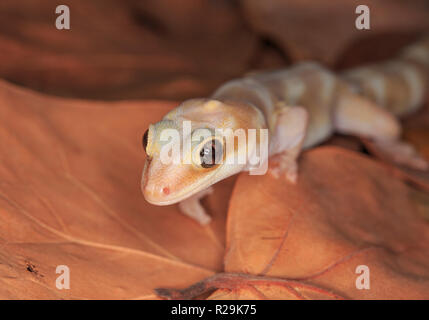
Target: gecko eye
<point x="145" y="140"/>
<point x="211" y="153"/>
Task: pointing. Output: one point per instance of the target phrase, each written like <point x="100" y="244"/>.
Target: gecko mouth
<point x="165" y="199"/>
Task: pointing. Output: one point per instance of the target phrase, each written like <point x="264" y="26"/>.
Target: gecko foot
<point x="193" y="208"/>
<point x="402" y="153"/>
<point x="285" y="165"/>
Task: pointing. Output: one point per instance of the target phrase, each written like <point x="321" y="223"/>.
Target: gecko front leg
<point x="192" y="207"/>
<point x="289" y="134"/>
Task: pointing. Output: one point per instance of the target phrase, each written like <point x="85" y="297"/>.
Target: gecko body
<point x="299" y="107"/>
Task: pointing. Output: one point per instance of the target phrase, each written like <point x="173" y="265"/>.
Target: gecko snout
<point x="155" y="193"/>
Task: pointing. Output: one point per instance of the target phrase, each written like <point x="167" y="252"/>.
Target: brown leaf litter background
<point x="74" y="105"/>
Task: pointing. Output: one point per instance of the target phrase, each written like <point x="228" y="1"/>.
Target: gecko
<point x="299" y="107"/>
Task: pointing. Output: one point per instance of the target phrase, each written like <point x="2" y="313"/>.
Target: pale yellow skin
<point x="301" y="107"/>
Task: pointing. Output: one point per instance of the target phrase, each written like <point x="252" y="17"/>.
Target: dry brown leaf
<point x="70" y="195"/>
<point x="321" y="30"/>
<point x="124" y="49"/>
<point x="305" y="241"/>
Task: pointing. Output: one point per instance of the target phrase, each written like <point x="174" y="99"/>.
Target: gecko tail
<point x="418" y="52"/>
<point x="398" y="85"/>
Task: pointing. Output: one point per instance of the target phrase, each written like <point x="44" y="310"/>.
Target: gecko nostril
<point x="166" y="190"/>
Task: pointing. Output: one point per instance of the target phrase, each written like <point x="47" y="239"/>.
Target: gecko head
<point x="187" y="152"/>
